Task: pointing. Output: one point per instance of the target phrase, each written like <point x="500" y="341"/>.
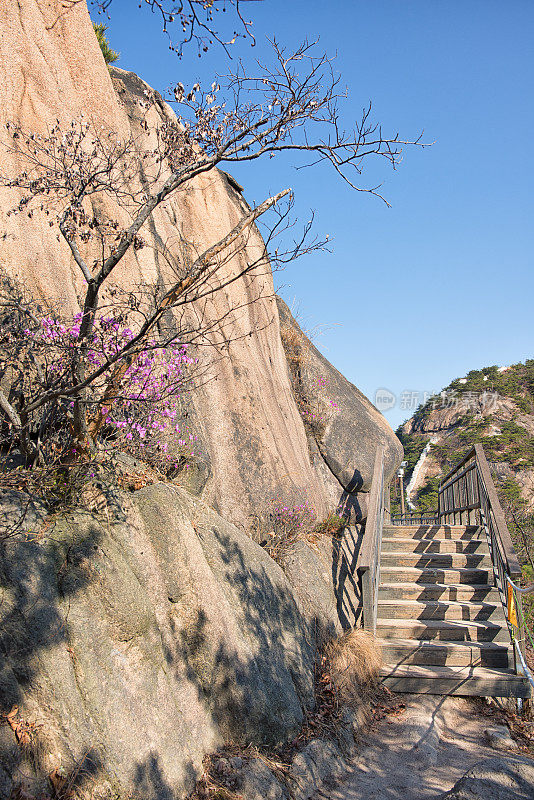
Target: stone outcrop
<point x="344" y="424"/>
<point x="443" y="419"/>
<point x="252" y="440"/>
<point x="139" y="644"/>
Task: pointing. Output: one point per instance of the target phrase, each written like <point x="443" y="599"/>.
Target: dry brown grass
<point x="279" y="533"/>
<point x="295" y="346"/>
<point x="354" y="663"/>
<point x="297" y="350"/>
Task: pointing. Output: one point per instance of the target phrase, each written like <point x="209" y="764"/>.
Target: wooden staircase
<point x="440" y="619"/>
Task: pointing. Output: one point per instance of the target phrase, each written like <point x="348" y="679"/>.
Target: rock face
<point x="443" y="419"/>
<point x="345" y="426"/>
<point x="252" y="439"/>
<point x="495" y="779"/>
<point x="141" y="644"/>
<point x="139" y="641"/>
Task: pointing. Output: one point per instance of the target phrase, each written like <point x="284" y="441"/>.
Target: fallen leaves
<point x="521" y="726"/>
<point x="24" y="731"/>
<point x="385" y="705"/>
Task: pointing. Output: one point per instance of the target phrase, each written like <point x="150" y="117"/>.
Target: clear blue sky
<point x="414" y="295"/>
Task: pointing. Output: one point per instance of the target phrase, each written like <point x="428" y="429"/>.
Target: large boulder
<point x="140" y="640"/>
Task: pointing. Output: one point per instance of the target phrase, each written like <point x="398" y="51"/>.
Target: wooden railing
<point x="458" y="497"/>
<point x="467" y="496"/>
<point x="369" y="565"/>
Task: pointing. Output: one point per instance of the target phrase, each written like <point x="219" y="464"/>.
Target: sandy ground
<point x="418" y="754"/>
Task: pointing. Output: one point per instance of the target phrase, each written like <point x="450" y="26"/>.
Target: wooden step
<point x="413" y="651"/>
<point x="396" y="545"/>
<point x="462" y="592"/>
<point x="427" y="575"/>
<point x="436" y="609"/>
<point x="445" y="630"/>
<point x="433" y="531"/>
<point x="441" y="624"/>
<point x="439" y="560"/>
<point x="480" y="681"/>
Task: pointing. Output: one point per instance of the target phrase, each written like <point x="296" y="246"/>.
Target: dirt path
<point x="419" y="754"/>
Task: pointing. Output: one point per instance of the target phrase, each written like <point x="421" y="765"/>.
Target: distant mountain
<point x="493" y="405"/>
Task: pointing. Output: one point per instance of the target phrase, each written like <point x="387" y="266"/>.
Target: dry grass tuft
<point x="222" y="780"/>
<point x="297" y="351"/>
<point x="354" y="664"/>
<point x="332" y="525"/>
<point x="295" y="346"/>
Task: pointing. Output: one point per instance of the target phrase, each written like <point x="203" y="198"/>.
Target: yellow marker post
<point x="512" y="614"/>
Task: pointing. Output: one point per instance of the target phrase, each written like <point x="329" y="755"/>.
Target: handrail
<point x="467" y="495"/>
<point x="369" y="565"/>
<point x="454" y="470"/>
<point x="518" y="625"/>
<point x="514" y="568"/>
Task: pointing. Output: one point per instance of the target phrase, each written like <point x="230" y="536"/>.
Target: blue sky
<point x="414" y="295"/>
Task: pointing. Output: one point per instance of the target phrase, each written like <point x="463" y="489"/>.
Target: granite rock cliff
<point x="140" y="640"/>
<point x="253" y="444"/>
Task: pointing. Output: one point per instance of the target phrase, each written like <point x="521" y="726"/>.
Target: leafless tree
<point x="289" y="106"/>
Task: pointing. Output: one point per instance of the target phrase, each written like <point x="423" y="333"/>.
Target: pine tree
<point x="110" y="56"/>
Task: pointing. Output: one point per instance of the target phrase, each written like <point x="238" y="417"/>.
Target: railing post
<point x="387" y="504"/>
<point x="369" y="566"/>
<point x="369" y="616"/>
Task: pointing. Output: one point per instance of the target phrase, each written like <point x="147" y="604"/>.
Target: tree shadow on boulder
<point x="150" y="782"/>
<point x="257" y="682"/>
<point x="345" y="579"/>
<point x="34" y="566"/>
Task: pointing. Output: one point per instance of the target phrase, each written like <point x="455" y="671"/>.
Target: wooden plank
<point x="369" y="538"/>
<point x="369" y="563"/>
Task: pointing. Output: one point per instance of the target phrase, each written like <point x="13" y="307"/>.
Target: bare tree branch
<point x="196" y="18"/>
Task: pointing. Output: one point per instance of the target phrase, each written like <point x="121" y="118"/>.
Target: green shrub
<point x="332" y="525"/>
<point x="427" y="497"/>
<point x="110" y="56"/>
